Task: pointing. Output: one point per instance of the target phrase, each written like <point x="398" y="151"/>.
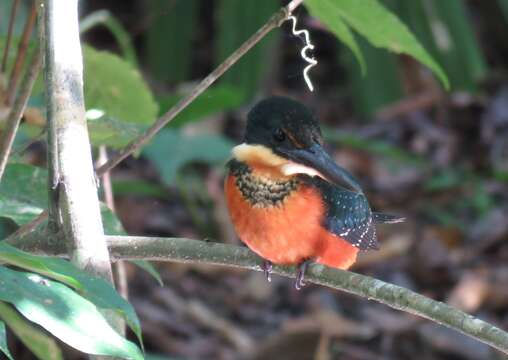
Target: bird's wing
<point x="348" y="215"/>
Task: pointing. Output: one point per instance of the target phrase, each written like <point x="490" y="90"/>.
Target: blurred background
<point x="439" y="158"/>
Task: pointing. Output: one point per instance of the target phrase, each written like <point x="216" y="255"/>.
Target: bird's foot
<point x="267" y="267"/>
<point x="300" y="273"/>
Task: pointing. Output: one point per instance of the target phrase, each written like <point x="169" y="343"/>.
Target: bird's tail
<point x="382" y="218"/>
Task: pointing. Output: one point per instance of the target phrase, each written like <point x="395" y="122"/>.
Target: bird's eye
<point x="279" y="135"/>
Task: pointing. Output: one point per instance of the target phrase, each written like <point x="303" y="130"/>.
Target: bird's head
<point x="284" y="134"/>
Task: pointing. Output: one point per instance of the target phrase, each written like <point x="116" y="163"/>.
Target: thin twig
<point x="119" y="271"/>
<point x="15" y="5"/>
<point x="20" y="57"/>
<point x="201" y="252"/>
<point x="17" y="110"/>
<point x="276" y="20"/>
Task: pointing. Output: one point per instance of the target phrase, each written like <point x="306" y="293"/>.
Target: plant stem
<point x="73" y="191"/>
<point x="20" y="57"/>
<point x="119" y="271"/>
<point x="201" y="252"/>
<point x="76" y="195"/>
<point x="15" y="5"/>
<point x="17" y="110"/>
<point x="276" y="20"/>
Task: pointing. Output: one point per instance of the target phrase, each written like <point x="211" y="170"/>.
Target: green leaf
<point x="209" y="149"/>
<point x="23" y="196"/>
<point x="41" y="345"/>
<point x="115" y="93"/>
<point x="212" y="101"/>
<point x="112" y="225"/>
<point x="121" y="35"/>
<point x="43" y="265"/>
<point x="97" y="290"/>
<point x="64" y="313"/>
<point x="320" y="10"/>
<point x="3" y="340"/>
<point x="23" y="193"/>
<point x="378" y="25"/>
<point x="149" y="268"/>
<point x="105" y="130"/>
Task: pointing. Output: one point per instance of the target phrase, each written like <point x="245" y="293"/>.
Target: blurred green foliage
<point x="235" y="22"/>
<point x="214" y="100"/>
<point x="115" y="90"/>
<point x="445" y="29"/>
<point x="169" y="39"/>
<point x="171" y="150"/>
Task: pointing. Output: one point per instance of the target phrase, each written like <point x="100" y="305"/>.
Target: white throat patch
<point x="263" y="155"/>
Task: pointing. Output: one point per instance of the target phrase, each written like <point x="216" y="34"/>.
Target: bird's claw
<point x="300" y="274"/>
<point x="267" y="267"/>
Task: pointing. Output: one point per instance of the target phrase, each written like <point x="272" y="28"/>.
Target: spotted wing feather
<point x="348" y="215"/>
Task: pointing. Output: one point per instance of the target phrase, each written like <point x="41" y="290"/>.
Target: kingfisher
<point x="288" y="200"/>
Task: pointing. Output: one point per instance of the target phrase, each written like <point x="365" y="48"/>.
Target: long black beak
<point x="317" y="158"/>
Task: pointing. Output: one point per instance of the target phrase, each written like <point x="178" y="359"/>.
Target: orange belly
<point x="290" y="233"/>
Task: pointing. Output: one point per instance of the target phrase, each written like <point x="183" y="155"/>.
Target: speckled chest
<point x="258" y="190"/>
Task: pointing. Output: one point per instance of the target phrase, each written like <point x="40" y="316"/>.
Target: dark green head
<point x="282" y="123"/>
<point x="289" y="130"/>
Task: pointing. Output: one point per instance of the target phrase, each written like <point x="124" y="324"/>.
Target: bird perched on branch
<point x="287" y="198"/>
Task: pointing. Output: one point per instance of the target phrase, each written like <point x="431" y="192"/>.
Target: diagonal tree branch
<point x="276" y="20"/>
<point x="194" y="251"/>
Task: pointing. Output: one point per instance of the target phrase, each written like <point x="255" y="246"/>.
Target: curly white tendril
<point x="308" y="46"/>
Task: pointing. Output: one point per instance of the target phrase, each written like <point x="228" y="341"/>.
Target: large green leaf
<point x="340" y="29"/>
<point x="97" y="290"/>
<point x="119" y="104"/>
<point x="212" y="101"/>
<point x="44" y="347"/>
<point x="171" y="150"/>
<point x="23" y="196"/>
<point x="64" y="313"/>
<point x="377" y="24"/>
<point x="23" y="193"/>
<point x="3" y="340"/>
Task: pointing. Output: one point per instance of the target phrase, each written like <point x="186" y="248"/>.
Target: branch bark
<point x="74" y="202"/>
<point x="194" y="251"/>
<point x="70" y="156"/>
